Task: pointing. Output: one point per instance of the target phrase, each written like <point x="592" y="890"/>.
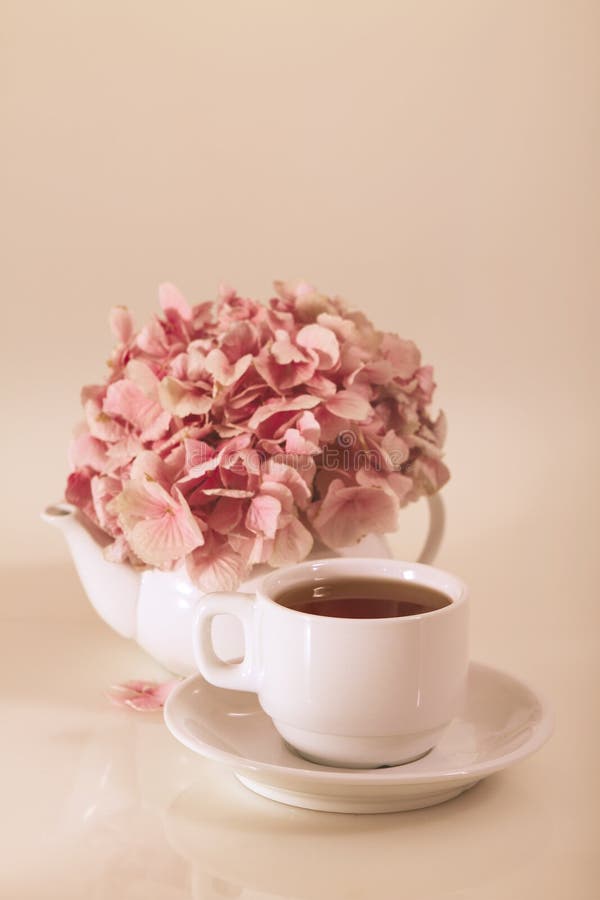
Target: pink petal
<point x="192" y="431"/>
<point x="344" y="329"/>
<point x="121" y="324"/>
<point x="254" y="549"/>
<point x="229" y="448"/>
<point x="222" y="370"/>
<point x="233" y="308"/>
<point x="324" y="478"/>
<point x="101" y="425"/>
<point x="178" y="366"/>
<point x="321" y="386"/>
<point x="104" y="490"/>
<point x="349" y="405"/>
<point x="426" y="383"/>
<point x="143" y="696"/>
<point x="281" y="492"/>
<point x="292" y="544"/>
<point x="291" y="478"/>
<point x="296" y="443"/>
<point x="377" y="372"/>
<point x="86" y="450"/>
<point x="152" y="423"/>
<point x="227" y="492"/>
<point x="181" y="399"/>
<point x="331" y="426"/>
<point x="347" y="514"/>
<point x="394" y="483"/>
<point x="130" y="402"/>
<point x="240" y="339"/>
<point x="227" y="431"/>
<point x="396" y="449"/>
<point x="309" y="427"/>
<point x="282" y="378"/>
<point x="263" y="515"/>
<point x="240" y="467"/>
<point x="323" y="341"/>
<point x="304" y="466"/>
<point x="250" y="393"/>
<point x="158" y="542"/>
<point x="352" y="358"/>
<point x="404" y="356"/>
<point x="401" y="485"/>
<point x="133" y="686"/>
<point x="311" y="305"/>
<point x="202" y="315"/>
<point x="197" y="453"/>
<point x="159" y="528"/>
<point x="150" y="466"/>
<point x="196" y="361"/>
<point x="440" y="429"/>
<point x="162" y="691"/>
<point x="226" y="292"/>
<point x="119" y="699"/>
<point x="119" y="693"/>
<point x="272" y="407"/>
<point x="78" y="490"/>
<point x="172" y="299"/>
<point x="429" y="476"/>
<point x="260" y="551"/>
<point x="216" y="566"/>
<point x="142" y="375"/>
<point x="284" y="351"/>
<point x="197" y="473"/>
<point x="291" y="290"/>
<point x="226" y="515"/>
<point x="304" y="438"/>
<point x="152" y="339"/>
<point x="426" y="441"/>
<point x="142" y="499"/>
<point x="174" y="460"/>
<point x="143" y="703"/>
<point x="122" y="452"/>
<point x="96" y="392"/>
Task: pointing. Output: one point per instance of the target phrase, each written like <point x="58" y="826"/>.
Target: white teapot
<point x="157" y="608"/>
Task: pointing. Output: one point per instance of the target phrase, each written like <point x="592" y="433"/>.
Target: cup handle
<point x="242" y="676"/>
<point x="437" y="521"/>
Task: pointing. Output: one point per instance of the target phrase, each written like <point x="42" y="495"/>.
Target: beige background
<point x="435" y="163"/>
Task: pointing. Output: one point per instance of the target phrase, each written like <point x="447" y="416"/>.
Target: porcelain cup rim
<point x="427" y="575"/>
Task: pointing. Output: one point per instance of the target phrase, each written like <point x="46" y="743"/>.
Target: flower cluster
<point x="234" y="433"/>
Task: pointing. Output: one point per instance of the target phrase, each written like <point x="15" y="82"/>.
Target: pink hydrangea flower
<point x="234" y="433"/>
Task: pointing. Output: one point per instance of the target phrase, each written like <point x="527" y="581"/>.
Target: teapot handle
<point x="437" y="523"/>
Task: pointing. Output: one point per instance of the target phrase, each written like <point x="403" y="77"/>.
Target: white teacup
<point x="349" y="692"/>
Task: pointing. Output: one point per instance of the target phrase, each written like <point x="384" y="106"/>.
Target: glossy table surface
<point x="436" y="164"/>
<point x="102" y="802"/>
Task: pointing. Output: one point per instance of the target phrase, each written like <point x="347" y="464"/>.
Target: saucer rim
<point x="542" y="730"/>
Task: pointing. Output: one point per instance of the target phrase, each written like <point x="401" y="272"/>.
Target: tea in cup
<point x="360" y="663"/>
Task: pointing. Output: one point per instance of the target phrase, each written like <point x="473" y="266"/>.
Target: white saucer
<point x="501" y="722"/>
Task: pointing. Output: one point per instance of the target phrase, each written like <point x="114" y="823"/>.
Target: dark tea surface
<point x="363" y="598"/>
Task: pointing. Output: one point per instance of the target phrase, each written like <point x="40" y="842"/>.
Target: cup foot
<point x="350" y="752"/>
<point x="322" y="762"/>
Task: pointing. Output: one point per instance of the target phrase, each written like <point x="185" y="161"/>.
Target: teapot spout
<point x="112" y="588"/>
